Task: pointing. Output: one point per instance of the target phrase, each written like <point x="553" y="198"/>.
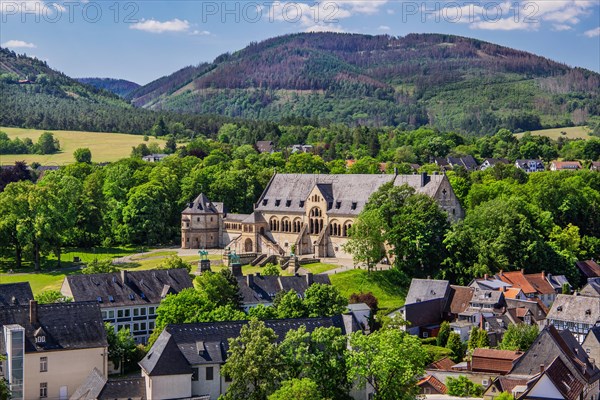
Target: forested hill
<point x="451" y="82"/>
<point x="33" y="95"/>
<point x="120" y="87"/>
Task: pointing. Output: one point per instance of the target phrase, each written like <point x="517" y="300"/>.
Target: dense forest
<point x="120" y="87"/>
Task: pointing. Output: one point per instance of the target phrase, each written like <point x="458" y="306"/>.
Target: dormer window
<point x="277" y="203"/>
<point x="99" y="299"/>
<point x="354" y="204"/>
<point x="338" y="204"/>
<point x="301" y="203"/>
<point x="40" y="339"/>
<point x="288" y="203"/>
<point x="111" y="299"/>
<point x="329" y="205"/>
<point x="265" y="202"/>
<point x="131" y="296"/>
<point x="559" y="308"/>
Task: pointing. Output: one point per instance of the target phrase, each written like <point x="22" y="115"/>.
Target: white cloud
<point x="519" y="15"/>
<point x="19" y="44"/>
<point x="561" y="27"/>
<point x="384" y="28"/>
<point x="154" y="26"/>
<point x="592" y="32"/>
<point x="200" y="33"/>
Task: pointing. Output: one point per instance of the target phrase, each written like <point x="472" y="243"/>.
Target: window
<point x="142" y="326"/>
<point x="151" y="310"/>
<point x="136" y="312"/>
<point x="288" y="203"/>
<point x="485" y="383"/>
<point x="151" y="325"/>
<point x="43" y="390"/>
<point x="43" y="364"/>
<point x="209" y="373"/>
<point x="111" y="314"/>
<point x="143" y="310"/>
<point x="104" y="314"/>
<point x="194" y="374"/>
<point x="425" y="334"/>
<point x="277" y="203"/>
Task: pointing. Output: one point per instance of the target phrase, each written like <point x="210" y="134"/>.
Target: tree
<point x="52" y="296"/>
<point x="297" y="389"/>
<point x="100" y="267"/>
<point x="171" y="145"/>
<point x="324" y="301"/>
<point x="463" y="387"/>
<point x="175" y="262"/>
<point x="519" y="337"/>
<point x="160" y="128"/>
<point x="455" y="345"/>
<point x="289" y="305"/>
<point x="319" y="356"/>
<point x="271" y="270"/>
<point x="218" y="288"/>
<point x="366" y="242"/>
<point x="389" y="360"/>
<point x="121" y="346"/>
<point x="505" y="396"/>
<point x="253" y="363"/>
<point x="4" y="388"/>
<point x="262" y="312"/>
<point x="83" y="155"/>
<point x="47" y="144"/>
<point x="478" y="338"/>
<point x="443" y="334"/>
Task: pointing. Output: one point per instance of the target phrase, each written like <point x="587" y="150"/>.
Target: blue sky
<point x="144" y="40"/>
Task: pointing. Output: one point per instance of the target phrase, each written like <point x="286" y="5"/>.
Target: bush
<point x="463" y="387"/>
<point x="271" y="270"/>
<point x="436" y="353"/>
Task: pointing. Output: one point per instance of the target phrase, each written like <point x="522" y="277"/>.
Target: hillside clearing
<point x="105" y="147"/>
<point x="387" y="286"/>
<point x="573" y="132"/>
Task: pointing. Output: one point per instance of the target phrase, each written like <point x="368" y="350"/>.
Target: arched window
<point x="286" y="226"/>
<point x="297" y="225"/>
<point x="334" y="228"/>
<point x="346" y="228"/>
<point x="316" y="221"/>
<point x="274" y="224"/>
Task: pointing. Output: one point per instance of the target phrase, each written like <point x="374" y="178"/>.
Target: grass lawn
<point x="573" y="132"/>
<point x="104" y="146"/>
<point x="161" y="254"/>
<point x="318" y="268"/>
<point x="39" y="281"/>
<point x="387" y="286"/>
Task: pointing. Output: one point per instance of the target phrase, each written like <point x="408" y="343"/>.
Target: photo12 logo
<point x="70" y="11"/>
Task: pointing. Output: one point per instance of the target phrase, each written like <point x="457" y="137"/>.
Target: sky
<point x="143" y="40"/>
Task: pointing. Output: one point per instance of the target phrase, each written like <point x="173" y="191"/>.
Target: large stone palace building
<point x="313" y="213"/>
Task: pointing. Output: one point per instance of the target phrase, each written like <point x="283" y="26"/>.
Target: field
<point x="387" y="286"/>
<point x="105" y="147"/>
<point x="574" y="132"/>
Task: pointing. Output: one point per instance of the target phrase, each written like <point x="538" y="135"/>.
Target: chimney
<point x="485" y="277"/>
<point x="250" y="279"/>
<point x="395" y="170"/>
<point x="33" y="312"/>
<point x="424" y="179"/>
<point x="541" y="368"/>
<point x="309" y="278"/>
<point x="543" y="274"/>
<point x="522" y="270"/>
<point x="500" y="273"/>
<point x="124" y="277"/>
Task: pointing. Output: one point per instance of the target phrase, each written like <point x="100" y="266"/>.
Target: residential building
<point x="527" y="311"/>
<point x="50" y="349"/>
<point x="578" y="314"/>
<point x="534" y="285"/>
<point x="484" y="303"/>
<point x="186" y="359"/>
<point x="565" y="166"/>
<point x="301" y="148"/>
<point x="425" y="306"/>
<point x="14" y="294"/>
<point x="552" y="344"/>
<point x="556" y="382"/>
<point x="589" y="269"/>
<point x="265" y="146"/>
<point x="595" y="166"/>
<point x="498" y="362"/>
<point x="466" y="162"/>
<point x="591" y="344"/>
<point x="98" y="387"/>
<point x="312" y="213"/>
<point x="514" y="385"/>
<point x="155" y="157"/>
<point x="530" y="165"/>
<point x="262" y="289"/>
<point x="128" y="299"/>
<point x="431" y="385"/>
<point x="490" y="162"/>
<point x="592" y="288"/>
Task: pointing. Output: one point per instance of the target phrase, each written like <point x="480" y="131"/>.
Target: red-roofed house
<point x="565" y="165"/>
<point x="431" y="385"/>
<point x="499" y="362"/>
<point x="532" y="285"/>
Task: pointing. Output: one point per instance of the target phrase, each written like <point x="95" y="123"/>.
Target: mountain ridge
<point x="410" y="80"/>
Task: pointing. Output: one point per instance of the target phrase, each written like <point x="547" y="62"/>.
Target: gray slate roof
<point x="427" y="289"/>
<point x="66" y="326"/>
<point x="551" y="344"/>
<point x="342" y="190"/>
<point x="140" y="288"/>
<point x="580" y="309"/>
<point x="15" y="294"/>
<point x="183" y="345"/>
<point x="202" y="205"/>
<point x="592" y="288"/>
<point x="96" y="387"/>
<point x="262" y="289"/>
